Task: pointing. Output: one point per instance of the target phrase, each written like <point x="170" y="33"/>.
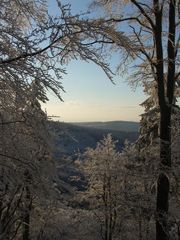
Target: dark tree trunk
<point x="26" y="219"/>
<point x="105" y="208"/>
<point x="28" y="205"/>
<point x="162" y="201"/>
<point x="140" y="227"/>
<point x="110" y="209"/>
<point x="162" y="207"/>
<point x="166" y="98"/>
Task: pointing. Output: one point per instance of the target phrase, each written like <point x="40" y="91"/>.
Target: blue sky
<point x="90" y="95"/>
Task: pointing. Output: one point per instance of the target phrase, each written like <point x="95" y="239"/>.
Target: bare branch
<point x="143" y="12"/>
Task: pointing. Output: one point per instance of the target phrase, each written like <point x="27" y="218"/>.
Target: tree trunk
<point x="26" y="219"/>
<point x="166" y="99"/>
<point x="105" y="208"/>
<point x="162" y="204"/>
<point x="28" y="205"/>
<point x="147" y="229"/>
<point x="140" y="225"/>
<point x="110" y="209"/>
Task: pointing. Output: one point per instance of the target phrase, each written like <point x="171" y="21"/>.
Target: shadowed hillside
<point x="125" y="126"/>
<point x="71" y="138"/>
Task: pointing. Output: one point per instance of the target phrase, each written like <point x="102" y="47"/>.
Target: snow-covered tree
<point x="34" y="47"/>
<point x="103" y="168"/>
<point x="25" y="163"/>
<point x="153" y="27"/>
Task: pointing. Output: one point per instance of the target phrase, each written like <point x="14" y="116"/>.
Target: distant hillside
<point x="124" y="126"/>
<point x="71" y="138"/>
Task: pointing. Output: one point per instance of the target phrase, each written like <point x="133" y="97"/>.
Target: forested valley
<point x="61" y="181"/>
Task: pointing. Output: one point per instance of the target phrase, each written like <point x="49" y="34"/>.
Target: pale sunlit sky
<point x="90" y="95"/>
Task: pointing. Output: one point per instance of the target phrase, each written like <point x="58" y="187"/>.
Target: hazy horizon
<point x="94" y="121"/>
